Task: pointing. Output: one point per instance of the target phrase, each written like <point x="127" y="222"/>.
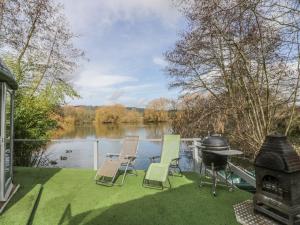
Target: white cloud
<point x="100" y="80"/>
<point x="160" y="61"/>
<point x="135" y="94"/>
<point x="116" y="95"/>
<point x="105" y="12"/>
<point x="97" y="77"/>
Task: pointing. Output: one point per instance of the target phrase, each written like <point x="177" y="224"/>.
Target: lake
<point x="74" y="149"/>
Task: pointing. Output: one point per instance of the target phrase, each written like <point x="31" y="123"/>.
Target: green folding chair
<point x="158" y="172"/>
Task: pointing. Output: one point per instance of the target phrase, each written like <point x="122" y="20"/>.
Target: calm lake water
<point x="75" y="147"/>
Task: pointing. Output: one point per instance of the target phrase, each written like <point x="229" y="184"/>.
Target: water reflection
<point x="79" y="153"/>
<point x="144" y="131"/>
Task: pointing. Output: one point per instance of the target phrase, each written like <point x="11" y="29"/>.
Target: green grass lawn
<point x="70" y="197"/>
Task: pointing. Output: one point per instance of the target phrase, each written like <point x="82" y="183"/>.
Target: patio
<point x="70" y="196"/>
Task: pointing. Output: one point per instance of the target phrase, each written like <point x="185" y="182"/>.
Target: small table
<point x="228" y="153"/>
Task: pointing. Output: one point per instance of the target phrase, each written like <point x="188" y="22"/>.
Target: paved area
<point x="245" y="215"/>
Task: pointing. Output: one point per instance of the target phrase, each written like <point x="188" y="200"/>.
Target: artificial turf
<point x="21" y="209"/>
<point x="70" y="197"/>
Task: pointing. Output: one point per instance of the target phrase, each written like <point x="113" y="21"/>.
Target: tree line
<point x="156" y="111"/>
<point x="238" y="63"/>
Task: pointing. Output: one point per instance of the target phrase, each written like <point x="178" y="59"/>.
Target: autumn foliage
<point x="157" y="111"/>
<point x="116" y="114"/>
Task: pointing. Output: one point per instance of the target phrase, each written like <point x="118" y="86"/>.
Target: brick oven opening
<point x="272" y="185"/>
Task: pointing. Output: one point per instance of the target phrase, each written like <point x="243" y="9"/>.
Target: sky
<point x="124" y="42"/>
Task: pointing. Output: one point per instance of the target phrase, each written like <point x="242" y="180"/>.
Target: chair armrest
<point x="152" y="159"/>
<point x="130" y="157"/>
<point x="176" y="160"/>
<point x="111" y="155"/>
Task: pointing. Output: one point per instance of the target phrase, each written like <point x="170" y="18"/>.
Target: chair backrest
<point x="170" y="149"/>
<point x="129" y="146"/>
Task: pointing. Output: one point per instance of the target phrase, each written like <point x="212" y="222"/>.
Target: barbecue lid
<point x="215" y="140"/>
<point x="277" y="153"/>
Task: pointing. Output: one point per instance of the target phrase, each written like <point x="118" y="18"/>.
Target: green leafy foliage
<point x="34" y="116"/>
<point x="32" y="121"/>
<point x="37" y="46"/>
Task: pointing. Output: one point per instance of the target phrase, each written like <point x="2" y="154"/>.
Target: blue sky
<point x="124" y="41"/>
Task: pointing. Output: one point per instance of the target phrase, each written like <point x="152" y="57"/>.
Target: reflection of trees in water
<point x="121" y="130"/>
<point x="109" y="130"/>
<point x="118" y="130"/>
<point x="80" y="132"/>
<point x="157" y="130"/>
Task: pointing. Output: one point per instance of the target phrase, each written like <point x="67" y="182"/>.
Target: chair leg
<point x="179" y="169"/>
<point x="170" y="172"/>
<point x="144" y="180"/>
<point x="124" y="173"/>
<point x="135" y="171"/>
<point x="96" y="176"/>
<point x="102" y="181"/>
<point x="113" y="179"/>
<point x="169" y="182"/>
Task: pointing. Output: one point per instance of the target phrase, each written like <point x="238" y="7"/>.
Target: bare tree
<point x="38" y="41"/>
<point x="241" y="54"/>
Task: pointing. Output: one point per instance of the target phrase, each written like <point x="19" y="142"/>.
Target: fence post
<point x="96" y="154"/>
<point x="196" y="156"/>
